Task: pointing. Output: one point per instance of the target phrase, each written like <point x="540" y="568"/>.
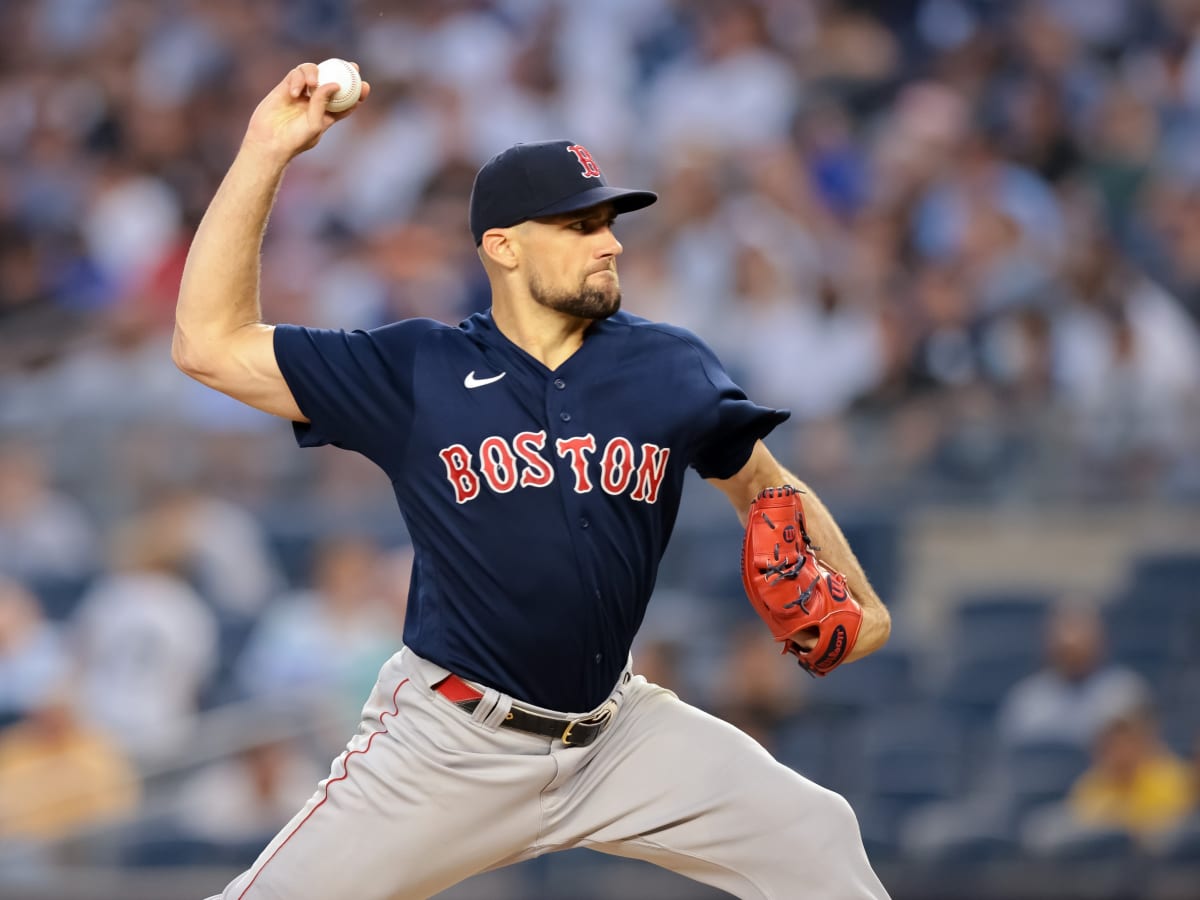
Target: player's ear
<point x="499" y="247"/>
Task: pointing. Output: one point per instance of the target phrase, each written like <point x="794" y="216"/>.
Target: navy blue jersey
<point x="539" y="502"/>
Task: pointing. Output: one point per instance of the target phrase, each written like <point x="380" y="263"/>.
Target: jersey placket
<point x="576" y="481"/>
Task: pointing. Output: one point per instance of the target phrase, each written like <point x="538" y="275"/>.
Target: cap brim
<point x="623" y="199"/>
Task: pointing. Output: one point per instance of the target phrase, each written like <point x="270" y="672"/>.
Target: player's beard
<point x="587" y="302"/>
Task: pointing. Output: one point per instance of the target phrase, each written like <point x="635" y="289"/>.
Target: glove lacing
<point x="784" y="569"/>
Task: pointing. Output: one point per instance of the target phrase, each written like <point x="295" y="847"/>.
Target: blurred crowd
<point x="972" y="227"/>
<point x="975" y="221"/>
<point x="114" y="646"/>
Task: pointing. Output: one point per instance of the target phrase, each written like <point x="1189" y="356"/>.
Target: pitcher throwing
<point x="538" y="453"/>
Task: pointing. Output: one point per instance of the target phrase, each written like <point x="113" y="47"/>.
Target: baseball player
<point x="537" y="452"/>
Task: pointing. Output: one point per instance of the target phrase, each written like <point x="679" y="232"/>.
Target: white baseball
<point x="348" y="80"/>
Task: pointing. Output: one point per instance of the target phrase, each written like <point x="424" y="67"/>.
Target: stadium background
<point x="977" y="223"/>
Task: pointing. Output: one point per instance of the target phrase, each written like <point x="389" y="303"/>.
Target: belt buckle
<point x="601" y="718"/>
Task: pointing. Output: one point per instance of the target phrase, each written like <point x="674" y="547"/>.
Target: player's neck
<point x="549" y="336"/>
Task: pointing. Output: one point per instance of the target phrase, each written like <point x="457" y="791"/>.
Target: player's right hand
<point x="292" y="117"/>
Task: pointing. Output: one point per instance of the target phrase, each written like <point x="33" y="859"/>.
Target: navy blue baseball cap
<point x="528" y="181"/>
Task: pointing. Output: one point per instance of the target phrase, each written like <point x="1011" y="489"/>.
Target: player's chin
<point x="600" y="301"/>
<point x="603" y="310"/>
<point x="609" y="304"/>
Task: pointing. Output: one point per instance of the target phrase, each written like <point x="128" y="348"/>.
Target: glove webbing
<point x="784" y="569"/>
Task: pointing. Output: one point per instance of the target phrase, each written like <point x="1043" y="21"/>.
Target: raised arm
<point x="762" y="470"/>
<point x="220" y="338"/>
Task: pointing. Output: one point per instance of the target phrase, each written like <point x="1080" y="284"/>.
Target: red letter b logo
<point x="590" y="169"/>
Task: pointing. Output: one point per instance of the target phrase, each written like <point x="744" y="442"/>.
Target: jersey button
<point x="560" y="384"/>
<point x="565" y="416"/>
<point x="584" y="523"/>
<point x="599" y="656"/>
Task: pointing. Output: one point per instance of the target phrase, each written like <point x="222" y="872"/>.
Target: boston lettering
<point x="504" y="465"/>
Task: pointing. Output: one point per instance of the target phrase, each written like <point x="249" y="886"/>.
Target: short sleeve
<point x="737" y="424"/>
<point x="355" y="387"/>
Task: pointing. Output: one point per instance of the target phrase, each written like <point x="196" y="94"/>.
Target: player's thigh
<point x="421" y="799"/>
<point x="690" y="792"/>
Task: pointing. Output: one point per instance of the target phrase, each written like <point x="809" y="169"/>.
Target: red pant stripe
<point x="395" y="711"/>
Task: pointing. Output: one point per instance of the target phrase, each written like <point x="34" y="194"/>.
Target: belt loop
<point x="493" y="707"/>
<point x="499" y="707"/>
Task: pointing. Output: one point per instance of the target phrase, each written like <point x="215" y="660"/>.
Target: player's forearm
<point x="835" y="552"/>
<point x="219" y="292"/>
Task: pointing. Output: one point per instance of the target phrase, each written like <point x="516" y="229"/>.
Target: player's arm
<point x="220" y="338"/>
<point x="762" y="470"/>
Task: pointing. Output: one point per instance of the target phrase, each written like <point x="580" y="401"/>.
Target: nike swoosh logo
<point x="472" y="382"/>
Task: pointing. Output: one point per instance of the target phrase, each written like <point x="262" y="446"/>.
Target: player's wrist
<point x="263" y="144"/>
<point x="265" y="157"/>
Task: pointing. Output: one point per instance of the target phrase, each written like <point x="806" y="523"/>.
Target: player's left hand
<point x="806" y="604"/>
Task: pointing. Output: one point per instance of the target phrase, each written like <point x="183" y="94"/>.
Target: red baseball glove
<point x="791" y="590"/>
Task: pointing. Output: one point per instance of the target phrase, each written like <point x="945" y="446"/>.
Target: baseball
<point x="348" y="80"/>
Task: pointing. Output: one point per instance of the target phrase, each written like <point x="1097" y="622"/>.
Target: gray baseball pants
<point x="426" y="795"/>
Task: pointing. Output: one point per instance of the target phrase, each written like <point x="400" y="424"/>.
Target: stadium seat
<point x="1172" y="583"/>
<point x="1172" y="574"/>
<point x="1093" y="845"/>
<point x="1155" y="647"/>
<point x="709" y="565"/>
<point x="881" y="679"/>
<point x="1183" y="845"/>
<point x="1130" y="632"/>
<point x="1040" y="772"/>
<point x="1052" y="833"/>
<point x="875" y="546"/>
<point x="171" y="850"/>
<point x="911" y="756"/>
<point x="1000" y="624"/>
<point x="889" y="762"/>
<point x="974" y="847"/>
<point x="879" y="824"/>
<point x="807" y="747"/>
<point x="974" y="687"/>
<point x="1179" y="716"/>
<point x="966" y="828"/>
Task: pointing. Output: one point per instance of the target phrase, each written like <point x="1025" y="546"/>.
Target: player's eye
<point x="587" y="226"/>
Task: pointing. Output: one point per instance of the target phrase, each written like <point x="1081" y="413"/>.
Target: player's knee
<point x="840" y="815"/>
<point x="828" y="816"/>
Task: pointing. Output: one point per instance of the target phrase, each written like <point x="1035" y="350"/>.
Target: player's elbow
<point x="883" y="626"/>
<point x="182" y="353"/>
<point x="189" y="358"/>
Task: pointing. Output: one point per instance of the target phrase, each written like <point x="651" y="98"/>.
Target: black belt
<point x="572" y="732"/>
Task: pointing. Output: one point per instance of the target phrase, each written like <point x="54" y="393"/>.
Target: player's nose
<point x="609" y="245"/>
